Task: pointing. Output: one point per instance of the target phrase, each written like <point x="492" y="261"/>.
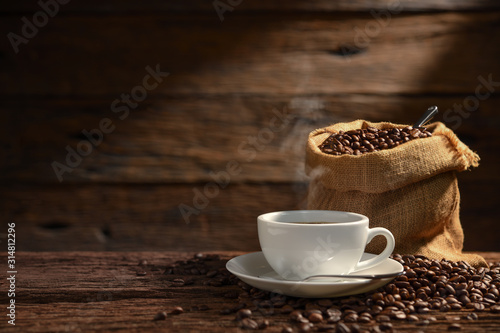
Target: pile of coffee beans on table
<point x="429" y="289"/>
<point x="361" y="141"/>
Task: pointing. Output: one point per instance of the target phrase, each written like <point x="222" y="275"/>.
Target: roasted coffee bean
<point x="178" y="282"/>
<point x="402" y="284"/>
<point x="479" y="307"/>
<point x="399" y="315"/>
<point x="249" y="324"/>
<point x="464" y="299"/>
<point x="454" y="327"/>
<point x="490" y="296"/>
<point x="305" y="327"/>
<point x="177" y="310"/>
<point x="286" y="309"/>
<point x="243" y="313"/>
<point x="351" y="318"/>
<point x="162" y="315"/>
<point x="472" y="316"/>
<point x="449" y="289"/>
<point x="382" y="318"/>
<point x="412" y="318"/>
<point x="378" y="296"/>
<point x="361" y="141"/>
<point x="424" y="322"/>
<point x="333" y="319"/>
<point x="333" y="312"/>
<point x="385" y="326"/>
<point x="324" y="328"/>
<point x="296" y="315"/>
<point x="263" y="324"/>
<point x="445" y="308"/>
<point x="287" y="329"/>
<point x="364" y="319"/>
<point x="342" y="328"/>
<point x="315" y="317"/>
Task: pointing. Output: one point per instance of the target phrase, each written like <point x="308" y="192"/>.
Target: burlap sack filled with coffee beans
<point x="410" y="189"/>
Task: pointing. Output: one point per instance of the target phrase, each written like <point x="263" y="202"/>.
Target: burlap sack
<point x="411" y="189"/>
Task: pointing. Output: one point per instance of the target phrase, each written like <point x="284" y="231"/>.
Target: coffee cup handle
<point x="382" y="256"/>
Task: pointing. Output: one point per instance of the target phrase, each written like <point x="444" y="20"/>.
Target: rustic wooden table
<point x="124" y="291"/>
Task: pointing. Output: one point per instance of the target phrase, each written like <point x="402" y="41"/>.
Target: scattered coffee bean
<point x="351" y="318"/>
<point x="364" y="319"/>
<point x="424" y="322"/>
<point x="286" y="309"/>
<point x="162" y="315"/>
<point x="362" y="141"/>
<point x="263" y="324"/>
<point x="249" y="324"/>
<point x="287" y="329"/>
<point x="325" y="328"/>
<point x="177" y="310"/>
<point x="385" y="326"/>
<point x="454" y="327"/>
<point x="412" y="318"/>
<point x="343" y="328"/>
<point x="305" y="327"/>
<point x="296" y="315"/>
<point x="178" y="282"/>
<point x="383" y="318"/>
<point x="472" y="316"/>
<point x="243" y="313"/>
<point x="315" y="318"/>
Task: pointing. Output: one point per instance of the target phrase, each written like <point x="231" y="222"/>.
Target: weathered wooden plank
<point x="334" y="53"/>
<point x="185" y="139"/>
<point x="114" y="6"/>
<point x="101" y="291"/>
<point x="148" y="217"/>
<point x="143" y="217"/>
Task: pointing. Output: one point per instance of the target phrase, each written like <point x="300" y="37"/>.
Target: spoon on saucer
<point x="346" y="277"/>
<point x="358" y="276"/>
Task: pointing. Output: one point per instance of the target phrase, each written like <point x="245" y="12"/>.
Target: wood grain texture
<point x="184" y="139"/>
<point x="148" y="217"/>
<point x="116" y="6"/>
<point x="262" y="54"/>
<point x="101" y="292"/>
<point x="323" y="61"/>
<point x="107" y="218"/>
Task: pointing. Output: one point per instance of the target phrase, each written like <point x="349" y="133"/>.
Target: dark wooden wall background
<point x="226" y="78"/>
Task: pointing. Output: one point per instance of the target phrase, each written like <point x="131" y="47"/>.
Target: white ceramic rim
<point x="360" y="219"/>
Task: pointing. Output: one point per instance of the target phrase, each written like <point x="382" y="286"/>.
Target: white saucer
<point x="253" y="269"/>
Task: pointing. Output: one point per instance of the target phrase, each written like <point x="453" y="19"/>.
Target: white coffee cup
<point x="296" y="245"/>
